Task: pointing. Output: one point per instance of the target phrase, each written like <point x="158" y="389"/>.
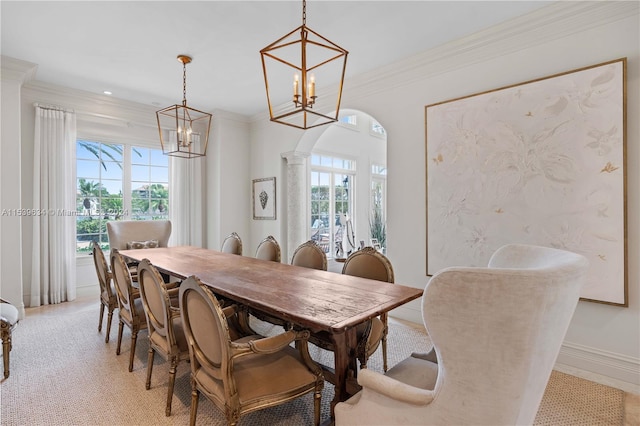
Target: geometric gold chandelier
<point x="184" y="131"/>
<point x="301" y="59"/>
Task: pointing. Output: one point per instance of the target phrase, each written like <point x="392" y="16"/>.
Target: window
<point x="377" y="225"/>
<point x="331" y="201"/>
<point x="377" y="129"/>
<point x="349" y="120"/>
<point x="116" y="182"/>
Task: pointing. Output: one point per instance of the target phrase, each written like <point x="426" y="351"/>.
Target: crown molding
<point x="89" y="104"/>
<point x="17" y="69"/>
<point x="549" y="23"/>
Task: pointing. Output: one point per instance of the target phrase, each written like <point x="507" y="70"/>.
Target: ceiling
<point x="130" y="47"/>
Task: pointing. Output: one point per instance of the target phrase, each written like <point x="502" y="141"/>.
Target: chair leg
<point x="134" y="339"/>
<point x="6" y="349"/>
<point x="317" y="399"/>
<point x="120" y="327"/>
<point x="194" y="406"/>
<point x="384" y="353"/>
<point x="172" y="382"/>
<point x="109" y="318"/>
<point x="385" y="321"/>
<point x="149" y="368"/>
<point x="101" y="317"/>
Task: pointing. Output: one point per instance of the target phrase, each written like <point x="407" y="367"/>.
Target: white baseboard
<point x="607" y="368"/>
<point x="84" y="291"/>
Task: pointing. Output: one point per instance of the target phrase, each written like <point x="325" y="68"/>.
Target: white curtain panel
<point x="186" y="201"/>
<point x="53" y="272"/>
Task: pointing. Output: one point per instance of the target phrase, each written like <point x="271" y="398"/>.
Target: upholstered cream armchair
<point x="131" y="234"/>
<point x="240" y="372"/>
<point x="232" y="244"/>
<point x="138" y="234"/>
<point x="496" y="333"/>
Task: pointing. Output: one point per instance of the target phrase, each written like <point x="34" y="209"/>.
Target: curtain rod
<point x="52" y="107"/>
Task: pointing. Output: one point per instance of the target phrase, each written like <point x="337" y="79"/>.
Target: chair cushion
<point x="254" y="382"/>
<point x="415" y="372"/>
<point x="8" y="313"/>
<point x="134" y="245"/>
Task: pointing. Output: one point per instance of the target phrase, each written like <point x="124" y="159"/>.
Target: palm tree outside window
<point x="117" y="182"/>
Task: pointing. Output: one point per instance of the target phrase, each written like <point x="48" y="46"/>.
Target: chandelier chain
<point x="304" y="12"/>
<point x="184" y="84"/>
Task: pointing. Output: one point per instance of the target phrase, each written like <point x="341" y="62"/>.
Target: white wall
<point x="568" y="35"/>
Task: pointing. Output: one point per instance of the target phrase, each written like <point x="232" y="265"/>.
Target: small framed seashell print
<point x="264" y="198"/>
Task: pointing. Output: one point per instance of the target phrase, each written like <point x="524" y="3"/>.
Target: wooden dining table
<point x="320" y="301"/>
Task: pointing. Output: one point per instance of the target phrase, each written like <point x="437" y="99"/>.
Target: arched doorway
<point x="336" y="171"/>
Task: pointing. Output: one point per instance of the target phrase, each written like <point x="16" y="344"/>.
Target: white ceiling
<point x="130" y="47"/>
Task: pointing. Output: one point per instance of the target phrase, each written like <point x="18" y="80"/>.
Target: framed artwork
<point x="541" y="162"/>
<point x="375" y="244"/>
<point x="264" y="198"/>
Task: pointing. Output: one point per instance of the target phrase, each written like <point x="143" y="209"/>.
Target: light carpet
<point x="62" y="373"/>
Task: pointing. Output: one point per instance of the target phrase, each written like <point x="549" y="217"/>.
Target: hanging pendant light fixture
<point x="303" y="57"/>
<point x="184" y="131"/>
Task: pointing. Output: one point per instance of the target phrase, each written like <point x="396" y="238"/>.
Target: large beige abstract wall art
<point x="542" y="162"/>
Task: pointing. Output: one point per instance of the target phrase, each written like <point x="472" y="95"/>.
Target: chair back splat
<point x="310" y="255"/>
<point x="268" y="249"/>
<point x="232" y="244"/>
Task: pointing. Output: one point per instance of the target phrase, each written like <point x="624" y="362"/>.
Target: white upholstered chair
<point x="268" y="249"/>
<point x="129" y="234"/>
<point x="496" y="333"/>
<point x="232" y="244"/>
<point x="8" y="321"/>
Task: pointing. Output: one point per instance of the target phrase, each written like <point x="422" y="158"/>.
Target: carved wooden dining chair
<point x="310" y="255"/>
<point x="232" y="244"/>
<point x="166" y="333"/>
<point x="268" y="249"/>
<point x="130" y="308"/>
<point x="241" y="373"/>
<point x="108" y="295"/>
<point x="370" y="263"/>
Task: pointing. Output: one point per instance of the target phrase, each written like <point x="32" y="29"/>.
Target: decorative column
<point x="296" y="199"/>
